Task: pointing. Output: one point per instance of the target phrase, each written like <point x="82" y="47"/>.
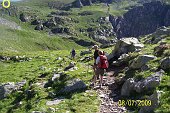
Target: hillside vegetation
<point x="38" y="75"/>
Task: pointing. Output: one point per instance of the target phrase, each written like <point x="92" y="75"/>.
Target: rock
<point x="10" y="24"/>
<point x="165" y="63"/>
<point x="101" y="39"/>
<point x="36" y="112"/>
<point x="125" y="27"/>
<point x="73" y="85"/>
<point x="59" y="58"/>
<point x="55" y="101"/>
<point x="51" y="110"/>
<point x="123" y="56"/>
<point x="127" y="87"/>
<point x="73" y="69"/>
<point x="154" y="98"/>
<point x="166" y="20"/>
<point x="159" y="50"/>
<point x="55" y="76"/>
<point x="144" y="68"/>
<point x="62" y="19"/>
<point x="79" y="4"/>
<point x="141" y="61"/>
<point x="85" y="53"/>
<point x="124" y="46"/>
<point x="50" y="23"/>
<point x="87" y="58"/>
<point x="19" y="85"/>
<point x="71" y="65"/>
<point x="123" y="59"/>
<point x="26" y="18"/>
<point x="60" y="30"/>
<point x="39" y="27"/>
<point x="147" y="84"/>
<point x="6" y="89"/>
<point x="36" y="22"/>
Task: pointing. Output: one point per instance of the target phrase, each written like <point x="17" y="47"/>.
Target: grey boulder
<point x="154" y="98"/>
<point x="127" y="87"/>
<point x="7" y="88"/>
<point x="165" y="63"/>
<point x="147" y="84"/>
<point x="141" y="61"/>
<point x="73" y="85"/>
<point x="124" y="46"/>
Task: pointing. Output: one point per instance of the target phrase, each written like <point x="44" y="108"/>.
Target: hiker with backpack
<point x="73" y="53"/>
<point x="102" y="65"/>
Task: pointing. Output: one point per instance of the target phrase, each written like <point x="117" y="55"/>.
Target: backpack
<point x="103" y="62"/>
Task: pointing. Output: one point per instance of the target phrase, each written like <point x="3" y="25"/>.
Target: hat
<point x="95" y="46"/>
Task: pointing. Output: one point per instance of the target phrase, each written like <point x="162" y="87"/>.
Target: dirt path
<point x="110" y="95"/>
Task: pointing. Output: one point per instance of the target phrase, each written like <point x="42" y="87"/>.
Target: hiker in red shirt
<point x="102" y="65"/>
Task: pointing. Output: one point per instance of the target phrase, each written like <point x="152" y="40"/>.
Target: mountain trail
<point x="110" y="95"/>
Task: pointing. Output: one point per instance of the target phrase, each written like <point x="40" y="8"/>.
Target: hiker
<point x="102" y="65"/>
<point x="73" y="53"/>
<point x="96" y="48"/>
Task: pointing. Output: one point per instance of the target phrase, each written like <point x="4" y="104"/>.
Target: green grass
<point x="27" y="40"/>
<point x="31" y="70"/>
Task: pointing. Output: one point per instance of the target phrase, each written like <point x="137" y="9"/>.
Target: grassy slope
<point x="30" y="70"/>
<point x="27" y="40"/>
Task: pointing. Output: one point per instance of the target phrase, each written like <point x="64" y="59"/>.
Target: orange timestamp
<point x="131" y="103"/>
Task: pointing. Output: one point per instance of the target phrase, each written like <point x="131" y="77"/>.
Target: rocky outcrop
<point x="7" y="88"/>
<point x="141" y="61"/>
<point x="102" y="32"/>
<point x="26" y="17"/>
<point x="125" y="45"/>
<point x="146" y="19"/>
<point x="147" y="84"/>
